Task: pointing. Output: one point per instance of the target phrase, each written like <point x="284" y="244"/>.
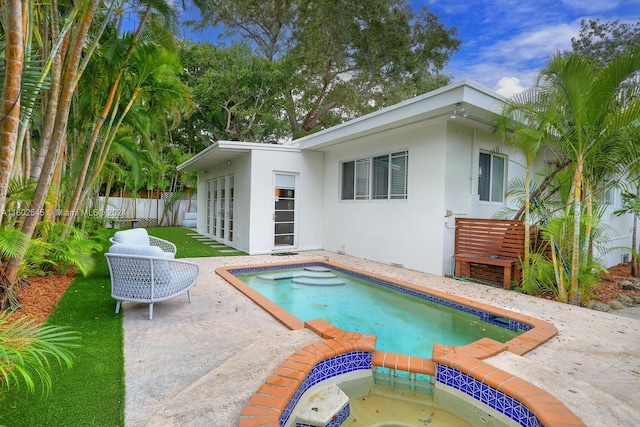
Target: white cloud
<point x="508" y="86"/>
<point x="536" y="44"/>
<point x="592" y="6"/>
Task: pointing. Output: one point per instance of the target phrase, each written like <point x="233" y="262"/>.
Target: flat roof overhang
<point x="482" y="105"/>
<point x="222" y="151"/>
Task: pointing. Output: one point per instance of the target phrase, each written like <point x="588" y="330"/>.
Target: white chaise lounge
<point x="140" y="237"/>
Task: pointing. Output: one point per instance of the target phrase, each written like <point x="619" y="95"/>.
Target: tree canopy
<point x="605" y="40"/>
<point x="336" y="60"/>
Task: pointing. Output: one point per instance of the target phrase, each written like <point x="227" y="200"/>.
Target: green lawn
<point x="92" y="392"/>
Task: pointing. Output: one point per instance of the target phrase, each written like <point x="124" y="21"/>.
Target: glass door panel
<point x="284" y="210"/>
<point x="230" y="215"/>
<point x="209" y="205"/>
<point x="223" y="208"/>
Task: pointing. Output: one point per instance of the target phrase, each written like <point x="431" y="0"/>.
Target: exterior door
<point x="220" y="193"/>
<point x="222" y="229"/>
<point x="215" y="212"/>
<point x="284" y="210"/>
<point x="209" y="212"/>
<point x="230" y="196"/>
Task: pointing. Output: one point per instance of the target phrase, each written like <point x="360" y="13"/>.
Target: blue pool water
<point x="403" y="323"/>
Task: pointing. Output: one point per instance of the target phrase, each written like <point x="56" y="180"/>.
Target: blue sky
<point x="506" y="42"/>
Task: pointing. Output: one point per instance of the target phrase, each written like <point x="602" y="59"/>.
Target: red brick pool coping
<point x="270" y="400"/>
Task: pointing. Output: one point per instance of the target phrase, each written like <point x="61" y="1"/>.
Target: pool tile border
<point x="460" y="367"/>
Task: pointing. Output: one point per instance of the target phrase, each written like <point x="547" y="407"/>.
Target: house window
<point x="378" y="178"/>
<point x="491" y="177"/>
<point x="609" y="197"/>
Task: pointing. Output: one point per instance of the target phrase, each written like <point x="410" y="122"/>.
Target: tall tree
<point x="236" y="95"/>
<point x="603" y="41"/>
<point x="98" y="142"/>
<point x="69" y="33"/>
<point x="339" y="59"/>
<point x="76" y="43"/>
<point x="11" y="90"/>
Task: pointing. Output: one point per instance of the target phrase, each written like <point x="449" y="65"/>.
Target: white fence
<point x="146" y="212"/>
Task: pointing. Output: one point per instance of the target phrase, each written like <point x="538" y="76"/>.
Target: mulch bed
<point x="38" y="299"/>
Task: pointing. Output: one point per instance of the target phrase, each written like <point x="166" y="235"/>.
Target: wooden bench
<point x="489" y="242"/>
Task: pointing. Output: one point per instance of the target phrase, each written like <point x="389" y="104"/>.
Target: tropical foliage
<point x="98" y="101"/>
<point x="27" y="350"/>
<point x="586" y="112"/>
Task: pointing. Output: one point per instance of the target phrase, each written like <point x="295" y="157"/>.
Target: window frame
<point x="373" y="177"/>
<point x="489" y="187"/>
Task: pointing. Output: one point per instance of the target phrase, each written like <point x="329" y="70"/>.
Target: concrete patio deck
<point x="198" y="364"/>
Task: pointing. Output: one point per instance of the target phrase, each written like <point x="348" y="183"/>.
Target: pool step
<point x="317" y="281"/>
<point x="317" y="268"/>
<point x="298" y="274"/>
<point x="276" y="276"/>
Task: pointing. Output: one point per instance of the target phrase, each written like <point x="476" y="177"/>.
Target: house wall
<point x="307" y="167"/>
<point x="406" y="232"/>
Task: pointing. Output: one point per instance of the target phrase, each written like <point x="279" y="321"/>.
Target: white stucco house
<point x="386" y="186"/>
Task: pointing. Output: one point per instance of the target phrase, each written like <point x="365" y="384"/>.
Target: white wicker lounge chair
<point x="139" y="236"/>
<point x="143" y="274"/>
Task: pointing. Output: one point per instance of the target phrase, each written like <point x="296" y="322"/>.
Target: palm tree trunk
<point x="588" y="244"/>
<point x="574" y="289"/>
<point x="635" y="270"/>
<point x="107" y="192"/>
<point x="527" y="228"/>
<point x="51" y="105"/>
<point x="558" y="271"/>
<point x="11" y="89"/>
<point x="59" y="129"/>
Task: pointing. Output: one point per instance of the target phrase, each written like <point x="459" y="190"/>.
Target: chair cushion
<point x="135" y="236"/>
<point x="129" y="249"/>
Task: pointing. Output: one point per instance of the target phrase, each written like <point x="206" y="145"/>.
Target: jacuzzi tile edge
<point x="523" y="402"/>
<point x="322" y="362"/>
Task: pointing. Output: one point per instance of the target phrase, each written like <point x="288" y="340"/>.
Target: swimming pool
<point x="343" y="357"/>
<point x="404" y="321"/>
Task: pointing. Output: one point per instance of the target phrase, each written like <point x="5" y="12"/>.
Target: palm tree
<point x="578" y="109"/>
<point x="11" y="87"/>
<point x="57" y="116"/>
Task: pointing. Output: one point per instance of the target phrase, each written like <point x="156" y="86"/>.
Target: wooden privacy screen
<point x="483" y="247"/>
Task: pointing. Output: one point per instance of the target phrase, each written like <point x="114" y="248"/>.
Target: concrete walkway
<point x="197" y="364"/>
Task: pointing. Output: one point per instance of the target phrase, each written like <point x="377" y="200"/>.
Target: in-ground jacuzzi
<point x="452" y="378"/>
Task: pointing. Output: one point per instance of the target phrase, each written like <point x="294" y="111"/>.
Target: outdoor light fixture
<point x="459" y="110"/>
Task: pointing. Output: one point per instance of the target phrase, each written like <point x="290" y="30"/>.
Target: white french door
<point x="220" y="193"/>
